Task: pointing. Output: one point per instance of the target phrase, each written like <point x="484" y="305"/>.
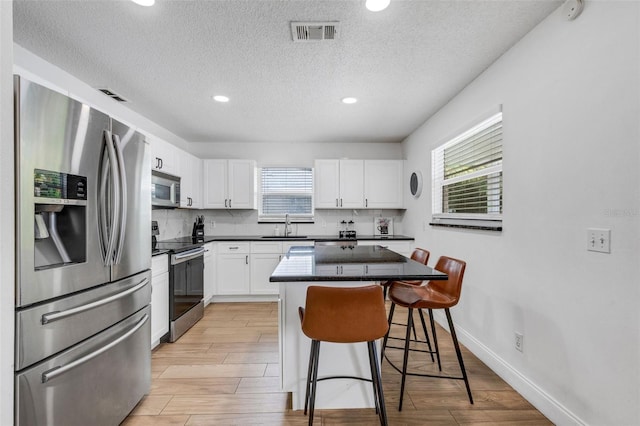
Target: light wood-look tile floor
<point x="224" y="371"/>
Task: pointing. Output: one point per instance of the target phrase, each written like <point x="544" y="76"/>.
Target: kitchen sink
<point x="282" y="237"/>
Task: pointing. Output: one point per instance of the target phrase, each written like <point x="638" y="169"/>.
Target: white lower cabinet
<point x="265" y="256"/>
<point x="209" y="272"/>
<point x="159" y="298"/>
<point x="233" y="272"/>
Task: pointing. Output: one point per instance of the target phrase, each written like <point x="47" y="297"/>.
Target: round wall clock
<point x="415" y="184"/>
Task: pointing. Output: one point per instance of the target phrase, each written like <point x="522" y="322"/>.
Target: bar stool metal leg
<point x="406" y="356"/>
<point x="435" y="338"/>
<point x="376" y="377"/>
<point x="309" y="375"/>
<point x="314" y="380"/>
<point x="459" y="354"/>
<point x="426" y="335"/>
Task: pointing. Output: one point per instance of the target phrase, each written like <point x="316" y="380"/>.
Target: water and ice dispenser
<point x="60" y="222"/>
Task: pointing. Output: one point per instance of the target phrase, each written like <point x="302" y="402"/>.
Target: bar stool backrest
<point x="420" y="255"/>
<point x="454" y="268"/>
<point x="344" y="314"/>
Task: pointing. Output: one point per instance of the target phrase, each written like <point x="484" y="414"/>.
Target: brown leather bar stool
<point x="435" y="295"/>
<point x="344" y="315"/>
<point x="422" y="256"/>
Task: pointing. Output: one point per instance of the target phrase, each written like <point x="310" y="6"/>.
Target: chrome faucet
<point x="287" y="225"/>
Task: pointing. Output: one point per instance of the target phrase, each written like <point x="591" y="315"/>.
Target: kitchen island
<point x="332" y="266"/>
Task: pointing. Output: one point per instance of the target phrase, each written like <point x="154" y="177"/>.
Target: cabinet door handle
<point x="340" y="202"/>
<point x="366" y="202"/>
<point x="225" y="203"/>
<point x="341" y="270"/>
<point x="229" y="202"/>
<point x="366" y="269"/>
<point x="337" y="270"/>
<point x="337" y="203"/>
<point x="246" y="259"/>
<point x="161" y="164"/>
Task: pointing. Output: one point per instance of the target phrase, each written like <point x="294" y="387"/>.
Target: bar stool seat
<point x="344" y="315"/>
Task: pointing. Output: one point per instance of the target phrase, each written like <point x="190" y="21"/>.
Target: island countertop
<point x="359" y="263"/>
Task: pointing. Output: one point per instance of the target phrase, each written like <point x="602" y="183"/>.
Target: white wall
<point x="301" y="154"/>
<point x="571" y="99"/>
<point x="7" y="229"/>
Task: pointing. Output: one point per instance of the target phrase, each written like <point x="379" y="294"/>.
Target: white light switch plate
<point x="599" y="240"/>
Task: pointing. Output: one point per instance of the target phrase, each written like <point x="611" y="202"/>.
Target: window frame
<point x="484" y="221"/>
<point x="293" y="217"/>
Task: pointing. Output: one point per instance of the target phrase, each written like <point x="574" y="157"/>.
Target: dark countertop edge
<point x="214" y="238"/>
<point x="281" y="279"/>
<point x="159" y="252"/>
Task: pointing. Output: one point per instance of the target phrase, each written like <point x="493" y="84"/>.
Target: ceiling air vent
<point x="113" y="95"/>
<point x="314" y="31"/>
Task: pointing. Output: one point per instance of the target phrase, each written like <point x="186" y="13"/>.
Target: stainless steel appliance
<point x="165" y="190"/>
<point x="83" y="351"/>
<point x="186" y="283"/>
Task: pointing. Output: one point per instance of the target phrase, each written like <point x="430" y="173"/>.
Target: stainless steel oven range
<point x="186" y="284"/>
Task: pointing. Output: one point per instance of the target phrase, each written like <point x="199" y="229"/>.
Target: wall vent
<point x="314" y="31"/>
<point x="113" y="95"/>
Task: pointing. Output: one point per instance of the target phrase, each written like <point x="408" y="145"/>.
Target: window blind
<point x="467" y="173"/>
<point x="286" y="190"/>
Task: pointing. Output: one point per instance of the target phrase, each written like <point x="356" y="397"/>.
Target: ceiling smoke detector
<point x="110" y="93"/>
<point x="314" y="31"/>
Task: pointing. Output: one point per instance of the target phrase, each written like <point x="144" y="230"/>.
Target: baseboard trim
<point x="545" y="403"/>
<point x="247" y="298"/>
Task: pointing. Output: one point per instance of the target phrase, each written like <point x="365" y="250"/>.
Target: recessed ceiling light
<point x="377" y="5"/>
<point x="349" y="100"/>
<point x="220" y="98"/>
<point x="144" y="2"/>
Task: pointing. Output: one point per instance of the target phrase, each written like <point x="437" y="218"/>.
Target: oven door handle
<point x="57" y="371"/>
<point x="187" y="255"/>
<point x="58" y="315"/>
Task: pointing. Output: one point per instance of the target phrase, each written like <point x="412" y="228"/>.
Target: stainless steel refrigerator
<point x="83" y="206"/>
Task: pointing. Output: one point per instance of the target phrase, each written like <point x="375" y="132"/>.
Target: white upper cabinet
<point x="191" y="181"/>
<point x="164" y="156"/>
<point x="339" y="184"/>
<point x="352" y="184"/>
<point x="327" y="184"/>
<point x="383" y="184"/>
<point x="229" y="184"/>
<point x="357" y="184"/>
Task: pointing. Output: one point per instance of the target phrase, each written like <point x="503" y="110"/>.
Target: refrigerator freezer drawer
<point x="44" y="330"/>
<point x="98" y="381"/>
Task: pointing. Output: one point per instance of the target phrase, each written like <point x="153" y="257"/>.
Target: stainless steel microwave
<point x="165" y="190"/>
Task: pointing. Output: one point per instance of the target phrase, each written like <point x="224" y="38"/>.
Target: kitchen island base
<point x="336" y="359"/>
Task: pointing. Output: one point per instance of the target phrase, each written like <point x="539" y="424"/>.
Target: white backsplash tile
<point x="179" y="222"/>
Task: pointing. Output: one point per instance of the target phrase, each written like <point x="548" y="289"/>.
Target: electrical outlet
<point x="599" y="240"/>
<point x="519" y="341"/>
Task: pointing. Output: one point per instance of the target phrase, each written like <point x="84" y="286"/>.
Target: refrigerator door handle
<point x="58" y="315"/>
<point x="57" y="371"/>
<point x="115" y="184"/>
<point x="122" y="180"/>
<point x="105" y="220"/>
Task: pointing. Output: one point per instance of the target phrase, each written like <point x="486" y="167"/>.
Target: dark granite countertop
<point x="360" y="263"/>
<point x="184" y="243"/>
<point x="211" y="238"/>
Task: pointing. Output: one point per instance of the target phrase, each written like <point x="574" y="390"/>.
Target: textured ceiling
<point x="403" y="64"/>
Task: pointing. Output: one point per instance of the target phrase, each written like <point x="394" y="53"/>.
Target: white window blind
<point x="286" y="190"/>
<point x="467" y="175"/>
